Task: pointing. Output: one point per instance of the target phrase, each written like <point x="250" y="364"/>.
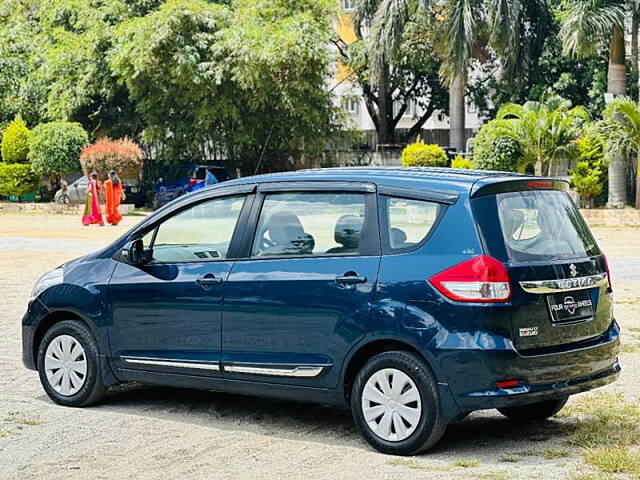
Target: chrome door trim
<point x="172" y="363"/>
<point x="299" y="371"/>
<point x="564" y="284"/>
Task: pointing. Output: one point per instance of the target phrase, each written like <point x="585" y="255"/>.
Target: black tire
<point x="430" y="427"/>
<point x="93" y="388"/>
<point x="534" y="411"/>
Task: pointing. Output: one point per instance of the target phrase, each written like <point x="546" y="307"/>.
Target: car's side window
<point x="309" y="223"/>
<point x="200" y="233"/>
<point x="409" y="221"/>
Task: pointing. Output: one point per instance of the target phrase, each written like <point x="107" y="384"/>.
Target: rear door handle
<point x="208" y="280"/>
<point x="351" y="279"/>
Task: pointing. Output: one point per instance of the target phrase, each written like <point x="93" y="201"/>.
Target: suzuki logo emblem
<point x="573" y="270"/>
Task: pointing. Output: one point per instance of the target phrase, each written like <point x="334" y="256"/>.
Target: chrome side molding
<point x="172" y="363"/>
<point x="300" y="371"/>
<point x="564" y="284"/>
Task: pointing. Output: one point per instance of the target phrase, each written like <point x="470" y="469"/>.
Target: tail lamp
<point x="479" y="279"/>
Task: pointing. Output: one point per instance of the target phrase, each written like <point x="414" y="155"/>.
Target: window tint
<point x="540" y="225"/>
<point x="410" y="221"/>
<point x="310" y="224"/>
<point x="199" y="234"/>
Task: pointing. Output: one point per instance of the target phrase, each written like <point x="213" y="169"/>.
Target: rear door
<point x="301" y="300"/>
<point x="559" y="278"/>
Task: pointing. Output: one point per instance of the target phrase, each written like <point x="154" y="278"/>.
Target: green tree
<point x="15" y="142"/>
<point x="54" y="148"/>
<point x="408" y="82"/>
<point x="515" y="30"/>
<point x="546" y="132"/>
<point x="247" y="81"/>
<point x="621" y="129"/>
<point x="587" y="24"/>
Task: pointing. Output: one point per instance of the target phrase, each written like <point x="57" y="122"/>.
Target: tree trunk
<point x="457" y="111"/>
<point x="386" y="128"/>
<point x="635" y="24"/>
<point x="617" y="85"/>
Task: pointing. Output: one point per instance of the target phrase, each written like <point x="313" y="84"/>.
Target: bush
<point x="54" y="148"/>
<point x="461" y="162"/>
<point x="419" y="154"/>
<point x="15" y="142"/>
<point x="500" y="154"/>
<point x="589" y="177"/>
<point x="123" y="156"/>
<point x="17" y="179"/>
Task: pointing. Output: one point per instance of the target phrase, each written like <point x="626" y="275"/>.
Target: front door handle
<point x="351" y="278"/>
<point x="208" y="280"/>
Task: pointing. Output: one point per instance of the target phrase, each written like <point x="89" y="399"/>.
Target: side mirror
<point x="133" y="253"/>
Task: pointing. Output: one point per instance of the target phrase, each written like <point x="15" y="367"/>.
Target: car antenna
<point x="264" y="149"/>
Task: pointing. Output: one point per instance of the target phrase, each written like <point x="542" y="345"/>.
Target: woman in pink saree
<point x="92" y="213"/>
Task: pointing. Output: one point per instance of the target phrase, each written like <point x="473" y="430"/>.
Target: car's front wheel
<point x="534" y="411"/>
<point x="69" y="365"/>
<point x="395" y="404"/>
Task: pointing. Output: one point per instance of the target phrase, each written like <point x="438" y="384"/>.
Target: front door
<point x="166" y="315"/>
<point x="301" y="301"/>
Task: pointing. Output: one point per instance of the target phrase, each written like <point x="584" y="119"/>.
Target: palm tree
<point x="621" y="129"/>
<point x="545" y="132"/>
<point x="518" y="28"/>
<point x="588" y="22"/>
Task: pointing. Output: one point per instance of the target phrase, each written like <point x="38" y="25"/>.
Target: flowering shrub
<point x="123" y="156"/>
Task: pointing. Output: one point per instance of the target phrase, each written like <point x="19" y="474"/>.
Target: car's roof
<point x="439" y="179"/>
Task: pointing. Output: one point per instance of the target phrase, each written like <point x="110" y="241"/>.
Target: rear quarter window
<point x="543" y="225"/>
<point x="408" y="222"/>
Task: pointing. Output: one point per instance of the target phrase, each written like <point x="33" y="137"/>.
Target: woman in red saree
<point x="92" y="214"/>
<point x="113" y="194"/>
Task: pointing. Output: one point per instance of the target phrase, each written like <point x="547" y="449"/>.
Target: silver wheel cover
<point x="65" y="365"/>
<point x="391" y="404"/>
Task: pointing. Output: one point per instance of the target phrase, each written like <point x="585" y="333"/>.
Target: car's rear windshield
<point x="543" y="225"/>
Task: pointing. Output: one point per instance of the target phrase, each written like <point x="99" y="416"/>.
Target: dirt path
<point x="150" y="433"/>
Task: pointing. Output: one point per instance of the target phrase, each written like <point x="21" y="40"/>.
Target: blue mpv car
<point x="413" y="296"/>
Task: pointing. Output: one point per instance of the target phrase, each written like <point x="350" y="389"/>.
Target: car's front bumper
<point x="541" y="377"/>
<point x="31" y="319"/>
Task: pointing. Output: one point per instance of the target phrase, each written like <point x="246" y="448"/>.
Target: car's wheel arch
<point x="57" y="316"/>
<point x="369" y="348"/>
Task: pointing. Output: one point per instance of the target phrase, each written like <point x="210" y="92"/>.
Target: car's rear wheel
<point x="534" y="411"/>
<point x="395" y="404"/>
<point x="69" y="365"/>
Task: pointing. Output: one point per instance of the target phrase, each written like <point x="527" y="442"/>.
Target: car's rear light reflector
<point x="508" y="384"/>
<point x="480" y="279"/>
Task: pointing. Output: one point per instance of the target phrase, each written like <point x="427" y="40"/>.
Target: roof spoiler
<point x="492" y="186"/>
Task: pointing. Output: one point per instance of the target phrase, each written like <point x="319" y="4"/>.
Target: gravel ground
<point x="161" y="433"/>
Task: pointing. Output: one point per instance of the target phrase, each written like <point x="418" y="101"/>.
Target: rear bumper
<point x="541" y="377"/>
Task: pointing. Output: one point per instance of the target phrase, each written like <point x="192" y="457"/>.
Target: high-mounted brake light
<point x="480" y="279"/>
<point x="508" y="384"/>
<point x="540" y="184"/>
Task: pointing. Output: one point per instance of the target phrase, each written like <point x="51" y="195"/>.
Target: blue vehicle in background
<point x="189" y="179"/>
